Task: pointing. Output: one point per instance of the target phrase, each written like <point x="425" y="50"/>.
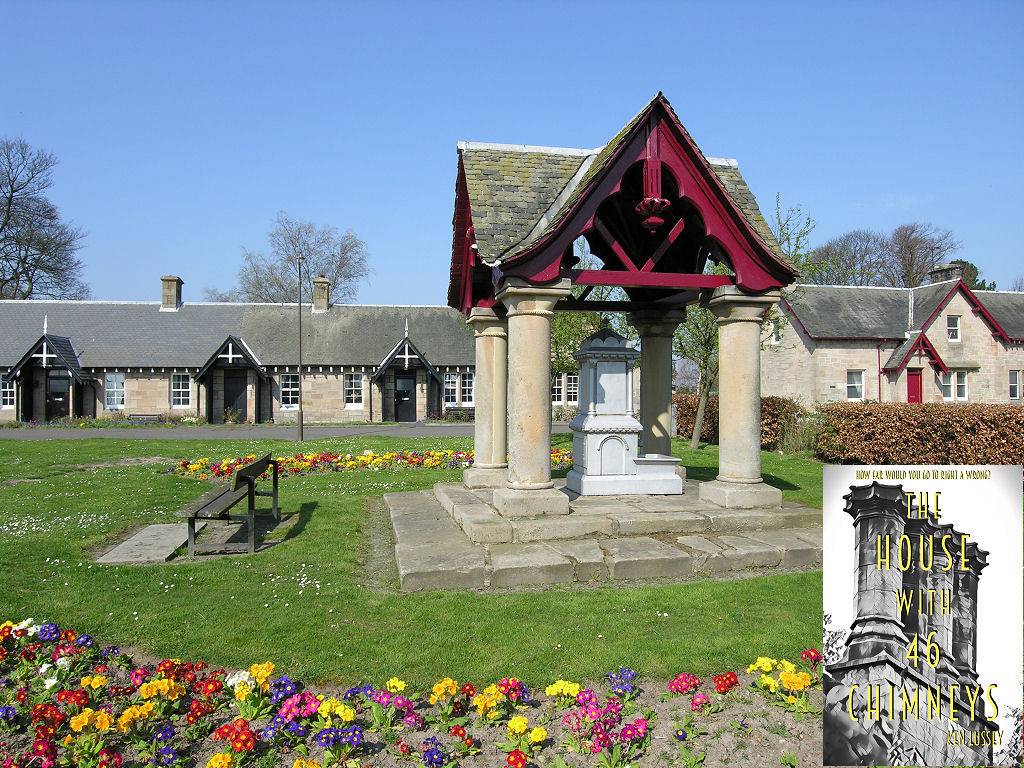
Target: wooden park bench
<point x="216" y="503"/>
<point x="145" y="418"/>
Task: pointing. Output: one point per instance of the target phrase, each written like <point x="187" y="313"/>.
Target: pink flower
<point x="699" y="702"/>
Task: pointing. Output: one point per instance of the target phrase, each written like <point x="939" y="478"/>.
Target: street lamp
<point x="299" y="420"/>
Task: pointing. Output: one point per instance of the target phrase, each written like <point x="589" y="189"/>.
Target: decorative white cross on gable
<point x="407" y="355"/>
<point x="231" y="356"/>
<point x="45" y="355"/>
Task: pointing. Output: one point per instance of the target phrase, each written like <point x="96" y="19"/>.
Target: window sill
<point x="354" y="407"/>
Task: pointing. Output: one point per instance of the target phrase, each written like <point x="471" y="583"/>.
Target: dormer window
<point x="953" y="327"/>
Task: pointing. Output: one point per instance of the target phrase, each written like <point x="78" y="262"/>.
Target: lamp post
<point x="299" y="420"/>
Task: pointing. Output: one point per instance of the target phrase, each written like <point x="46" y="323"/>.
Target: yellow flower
<point x="791" y="699"/>
<point x="517" y="725"/>
<point x="394" y="685"/>
<point x="795" y="681"/>
<point x="220" y="760"/>
<point x="303" y="763"/>
<point x="763" y="663"/>
<point x="262" y="671"/>
<point x="81" y="720"/>
<point x="537" y="735"/>
<point x="787" y="666"/>
<point x="242" y="690"/>
<point x="103" y="722"/>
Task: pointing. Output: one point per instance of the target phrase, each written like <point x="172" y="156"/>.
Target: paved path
<point x="246" y="432"/>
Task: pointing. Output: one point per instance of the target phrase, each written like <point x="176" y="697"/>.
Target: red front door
<point x="913" y="385"/>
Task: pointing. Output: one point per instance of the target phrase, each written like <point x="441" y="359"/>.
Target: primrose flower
<point x="679" y="734"/>
<point x="763" y="663"/>
<point x="795" y="681"/>
<point x="537" y="735"/>
<point x="699" y="701"/>
<point x="517" y="725"/>
<point x="394" y="685"/>
<point x="220" y="760"/>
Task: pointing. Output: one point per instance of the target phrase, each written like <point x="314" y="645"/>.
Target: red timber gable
<point x="976" y="307"/>
<point x="653" y="212"/>
<point x="922" y="345"/>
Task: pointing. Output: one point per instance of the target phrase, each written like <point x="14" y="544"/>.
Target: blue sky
<point x="183" y="128"/>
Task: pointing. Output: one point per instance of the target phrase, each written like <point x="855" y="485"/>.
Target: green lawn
<point x="305" y="603"/>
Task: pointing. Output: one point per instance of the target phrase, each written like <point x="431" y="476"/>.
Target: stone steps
<point x="452" y="539"/>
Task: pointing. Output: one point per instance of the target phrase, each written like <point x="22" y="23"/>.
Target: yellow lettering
<point x="936" y="508"/>
<point x="849" y="704"/>
<point x="931" y="551"/>
<point x="952" y="701"/>
<point x="910" y="553"/>
<point x="873" y="712"/>
<point x="935" y="702"/>
<point x="949" y="557"/>
<point x="963" y="552"/>
<point x="913" y="707"/>
<point x="972" y="698"/>
<point x="884" y="559"/>
<point x="995" y="707"/>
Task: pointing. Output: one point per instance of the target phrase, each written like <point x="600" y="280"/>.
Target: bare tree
<point x="792" y="229"/>
<point x="1017" y="284"/>
<point x="341" y="258"/>
<point x="37" y="249"/>
<point x="854" y="258"/>
<point x="912" y="250"/>
<point x="696" y="340"/>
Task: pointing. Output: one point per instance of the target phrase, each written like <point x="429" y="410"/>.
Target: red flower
<point x="516" y="759"/>
<point x="469" y="690"/>
<point x="458" y="731"/>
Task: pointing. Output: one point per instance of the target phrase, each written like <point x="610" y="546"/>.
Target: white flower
<point x="63" y="662"/>
<point x="42" y="669"/>
<point x="49" y="682"/>
<point x="241" y="676"/>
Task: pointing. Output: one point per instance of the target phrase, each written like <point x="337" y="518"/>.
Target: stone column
<point x="739" y="482"/>
<point x="656" y="330"/>
<point x="529" y="488"/>
<point x="490" y="466"/>
<point x="878" y="511"/>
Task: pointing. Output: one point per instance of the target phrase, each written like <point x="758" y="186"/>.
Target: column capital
<point x="729" y="304"/>
<point x="523" y="298"/>
<point x="651" y="322"/>
<point x="486" y="322"/>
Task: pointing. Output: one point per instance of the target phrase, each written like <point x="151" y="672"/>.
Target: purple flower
<point x="329" y="737"/>
<point x="85" y="641"/>
<point x="49" y="632"/>
<point x="166" y="733"/>
<point x="281" y="689"/>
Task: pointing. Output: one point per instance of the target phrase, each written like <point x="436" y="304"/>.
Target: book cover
<point x="923" y="615"/>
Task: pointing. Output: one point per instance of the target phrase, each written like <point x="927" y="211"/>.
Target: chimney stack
<point x="942" y="272"/>
<point x="321" y="293"/>
<point x="170" y="299"/>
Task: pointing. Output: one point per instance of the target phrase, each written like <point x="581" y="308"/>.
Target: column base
<point x="485" y="477"/>
<point x="515" y="503"/>
<point x="740" y="495"/>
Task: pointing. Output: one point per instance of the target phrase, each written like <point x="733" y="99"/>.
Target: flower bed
<point x="312" y="463"/>
<point x="64" y="700"/>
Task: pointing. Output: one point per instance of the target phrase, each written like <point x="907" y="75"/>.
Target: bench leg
<point x="191" y="537"/>
<point x="252" y="531"/>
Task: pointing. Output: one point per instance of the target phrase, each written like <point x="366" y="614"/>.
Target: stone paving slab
<point x="706" y="554"/>
<point x="744" y="552"/>
<point x="571" y="526"/>
<point x="514" y="565"/>
<point x="153" y="544"/>
<point x="587" y="558"/>
<point x="441" y="566"/>
<point x="795" y="550"/>
<point x="633" y="523"/>
<point x="645" y="558"/>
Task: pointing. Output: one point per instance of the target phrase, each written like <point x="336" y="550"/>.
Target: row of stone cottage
<point x="938" y="343"/>
<point x="218" y="360"/>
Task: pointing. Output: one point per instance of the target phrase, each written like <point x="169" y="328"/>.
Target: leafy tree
<point x="37" y="248"/>
<point x="341" y="258"/>
<point x="696" y="340"/>
<point x="912" y="251"/>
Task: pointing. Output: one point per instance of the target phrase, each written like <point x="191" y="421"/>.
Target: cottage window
<point x="954" y="386"/>
<point x="855" y="385"/>
<point x="181" y="390"/>
<point x="451" y="390"/>
<point x="1015" y="385"/>
<point x="556" y="390"/>
<point x="572" y="389"/>
<point x="289" y="390"/>
<point x="353" y="390"/>
<point x="467" y="389"/>
<point x="7" y="395"/>
<point x="113" y="391"/>
<point x="953" y="327"/>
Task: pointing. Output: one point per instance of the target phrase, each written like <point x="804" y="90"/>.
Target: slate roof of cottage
<point x="138" y="334"/>
<point x="519" y="193"/>
<point x="900" y="353"/>
<point x="855" y="312"/>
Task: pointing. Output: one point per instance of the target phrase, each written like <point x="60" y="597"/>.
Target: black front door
<point x="234" y="394"/>
<point x="405" y="398"/>
<point x="58" y="400"/>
